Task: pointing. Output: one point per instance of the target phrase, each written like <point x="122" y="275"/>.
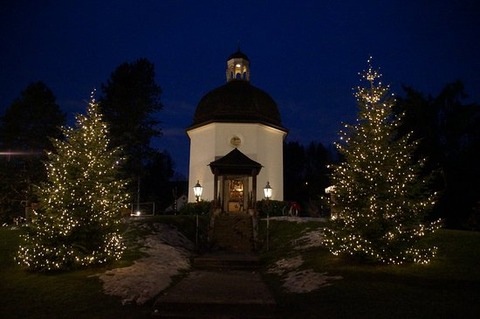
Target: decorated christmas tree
<point x="77" y="222"/>
<point x="379" y="198"/>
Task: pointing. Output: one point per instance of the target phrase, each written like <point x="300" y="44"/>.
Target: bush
<point x="200" y="208"/>
<point x="272" y="207"/>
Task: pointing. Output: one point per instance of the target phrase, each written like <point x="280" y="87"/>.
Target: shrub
<point x="272" y="207"/>
<point x="200" y="208"/>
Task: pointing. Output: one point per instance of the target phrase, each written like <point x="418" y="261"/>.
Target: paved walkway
<point x="218" y="290"/>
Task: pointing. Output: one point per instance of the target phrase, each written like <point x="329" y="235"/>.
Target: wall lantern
<point x="197" y="190"/>
<point x="267" y="191"/>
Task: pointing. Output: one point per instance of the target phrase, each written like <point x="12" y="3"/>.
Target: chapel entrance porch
<point x="235" y="183"/>
<point x="233" y="224"/>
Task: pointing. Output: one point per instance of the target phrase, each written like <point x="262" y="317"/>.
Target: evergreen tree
<point x="294" y="163"/>
<point x="130" y="103"/>
<point x="305" y="175"/>
<point x="449" y="132"/>
<point x="31" y="120"/>
<point x="155" y="184"/>
<point x="316" y="176"/>
<point x="25" y="129"/>
<point x="80" y="204"/>
<point x="379" y="200"/>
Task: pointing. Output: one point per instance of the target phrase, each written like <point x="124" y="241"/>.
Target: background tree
<point x="294" y="163"/>
<point x="305" y="175"/>
<point x="156" y="183"/>
<point x="26" y="127"/>
<point x="316" y="176"/>
<point x="77" y="223"/>
<point x="380" y="201"/>
<point x="130" y="102"/>
<point x="449" y="137"/>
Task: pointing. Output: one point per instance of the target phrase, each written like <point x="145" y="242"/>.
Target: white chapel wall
<point x="261" y="143"/>
<point x="202" y="150"/>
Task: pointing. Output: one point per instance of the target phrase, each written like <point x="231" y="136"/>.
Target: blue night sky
<point x="305" y="54"/>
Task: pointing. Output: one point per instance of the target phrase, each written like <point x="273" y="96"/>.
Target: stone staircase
<point x="221" y="261"/>
<point x="220" y="286"/>
<point x="233" y="233"/>
<point x="224" y="282"/>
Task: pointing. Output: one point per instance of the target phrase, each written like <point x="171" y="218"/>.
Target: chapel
<point x="236" y="142"/>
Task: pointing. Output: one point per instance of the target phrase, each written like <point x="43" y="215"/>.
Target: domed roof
<point x="240" y="102"/>
<point x="238" y="55"/>
<point x="237" y="101"/>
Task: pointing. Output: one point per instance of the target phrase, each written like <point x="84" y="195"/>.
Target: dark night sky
<point x="305" y="54"/>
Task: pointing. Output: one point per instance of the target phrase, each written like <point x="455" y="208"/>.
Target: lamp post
<point x="267" y="191"/>
<point x="197" y="191"/>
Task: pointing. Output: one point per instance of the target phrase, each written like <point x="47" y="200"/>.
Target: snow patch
<point x="300" y="281"/>
<point x="286" y="264"/>
<point x="307" y="280"/>
<point x="168" y="253"/>
<point x="311" y="239"/>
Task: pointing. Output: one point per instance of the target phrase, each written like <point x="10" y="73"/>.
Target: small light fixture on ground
<point x="330" y="189"/>
<point x="197" y="191"/>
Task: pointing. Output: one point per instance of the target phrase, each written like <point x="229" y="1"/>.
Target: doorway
<point x="235" y="193"/>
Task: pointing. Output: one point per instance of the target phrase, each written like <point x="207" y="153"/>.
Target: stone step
<point x="233" y="232"/>
<point x="217" y="294"/>
<point x="214" y="311"/>
<point x="227" y="261"/>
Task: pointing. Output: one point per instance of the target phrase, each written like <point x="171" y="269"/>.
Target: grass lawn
<point x="447" y="288"/>
<point x="76" y="294"/>
<point x="62" y="295"/>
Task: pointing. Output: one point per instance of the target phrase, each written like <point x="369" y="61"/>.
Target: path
<point x="219" y="286"/>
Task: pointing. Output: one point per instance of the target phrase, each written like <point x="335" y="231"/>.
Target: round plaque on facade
<point x="235" y="141"/>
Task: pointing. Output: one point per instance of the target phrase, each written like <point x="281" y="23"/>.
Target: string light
<point x="379" y="200"/>
<point x="78" y="222"/>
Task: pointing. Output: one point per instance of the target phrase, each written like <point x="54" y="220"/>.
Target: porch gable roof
<point x="235" y="162"/>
